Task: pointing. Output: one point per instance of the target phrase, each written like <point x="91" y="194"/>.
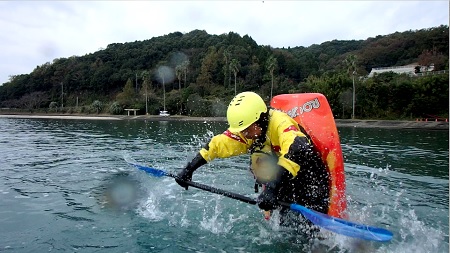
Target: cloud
<point x="35" y="32"/>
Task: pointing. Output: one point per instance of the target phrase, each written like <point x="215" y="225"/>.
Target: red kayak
<point x="313" y="113"/>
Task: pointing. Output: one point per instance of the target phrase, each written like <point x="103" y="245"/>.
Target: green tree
<point x="185" y="67"/>
<point x="350" y="62"/>
<point x="197" y="106"/>
<point x="33" y="100"/>
<point x="101" y="75"/>
<point x="433" y="58"/>
<point x="145" y="89"/>
<point x="97" y="106"/>
<point x="174" y="101"/>
<point x="115" y="108"/>
<point x="253" y="77"/>
<point x="345" y="98"/>
<point x="235" y="65"/>
<point x="127" y="96"/>
<point x="165" y="74"/>
<point x="53" y="106"/>
<point x="208" y="70"/>
<point x="226" y="67"/>
<point x="271" y="65"/>
<point x="179" y="72"/>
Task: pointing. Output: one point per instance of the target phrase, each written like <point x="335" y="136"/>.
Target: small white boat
<point x="164" y="113"/>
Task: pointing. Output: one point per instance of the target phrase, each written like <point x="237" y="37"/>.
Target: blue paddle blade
<point x="344" y="227"/>
<point x="153" y="171"/>
<point x="333" y="224"/>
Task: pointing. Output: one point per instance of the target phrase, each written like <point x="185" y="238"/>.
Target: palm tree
<point x="178" y="72"/>
<point x="161" y="75"/>
<point x="97" y="106"/>
<point x="271" y="66"/>
<point x="226" y="56"/>
<point x="350" y="62"/>
<point x="184" y="67"/>
<point x="145" y="76"/>
<point x="234" y="66"/>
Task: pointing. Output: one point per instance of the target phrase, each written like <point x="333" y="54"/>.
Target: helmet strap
<point x="263" y="123"/>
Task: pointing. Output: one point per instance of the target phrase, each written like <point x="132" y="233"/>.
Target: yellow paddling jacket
<point x="291" y="149"/>
<point x="281" y="133"/>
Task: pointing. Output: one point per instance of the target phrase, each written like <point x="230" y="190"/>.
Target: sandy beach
<point x="432" y="125"/>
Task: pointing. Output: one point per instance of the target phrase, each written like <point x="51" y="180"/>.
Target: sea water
<point x="65" y="186"/>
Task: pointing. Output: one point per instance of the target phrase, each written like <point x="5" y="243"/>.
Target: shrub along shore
<point x="404" y="124"/>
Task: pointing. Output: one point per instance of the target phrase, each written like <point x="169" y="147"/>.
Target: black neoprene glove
<point x="268" y="199"/>
<point x="186" y="173"/>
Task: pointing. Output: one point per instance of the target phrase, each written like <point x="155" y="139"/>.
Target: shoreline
<point x="401" y="124"/>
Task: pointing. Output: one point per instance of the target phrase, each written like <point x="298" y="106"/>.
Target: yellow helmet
<point x="244" y="109"/>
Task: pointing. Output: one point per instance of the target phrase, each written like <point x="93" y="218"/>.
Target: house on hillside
<point x="410" y="69"/>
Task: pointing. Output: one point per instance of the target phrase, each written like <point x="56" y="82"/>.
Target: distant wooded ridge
<point x="197" y="74"/>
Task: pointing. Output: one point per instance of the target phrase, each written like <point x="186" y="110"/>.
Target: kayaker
<point x="283" y="158"/>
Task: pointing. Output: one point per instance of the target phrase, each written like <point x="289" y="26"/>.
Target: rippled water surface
<point x="65" y="187"/>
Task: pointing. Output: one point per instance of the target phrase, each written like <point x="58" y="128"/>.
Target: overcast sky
<point x="35" y="32"/>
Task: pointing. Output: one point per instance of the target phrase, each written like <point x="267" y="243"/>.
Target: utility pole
<point x="164" y="92"/>
<point x="161" y="75"/>
<point x="62" y="95"/>
<point x="353" y="99"/>
<point x="146" y="99"/>
<point x="136" y="84"/>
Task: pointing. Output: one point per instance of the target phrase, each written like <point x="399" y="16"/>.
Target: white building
<point x="407" y="69"/>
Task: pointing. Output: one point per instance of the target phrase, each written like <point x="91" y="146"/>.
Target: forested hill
<point x="200" y="73"/>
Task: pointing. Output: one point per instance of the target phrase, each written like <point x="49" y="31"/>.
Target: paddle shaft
<point x="354" y="229"/>
<point x="334" y="224"/>
<point x="216" y="190"/>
